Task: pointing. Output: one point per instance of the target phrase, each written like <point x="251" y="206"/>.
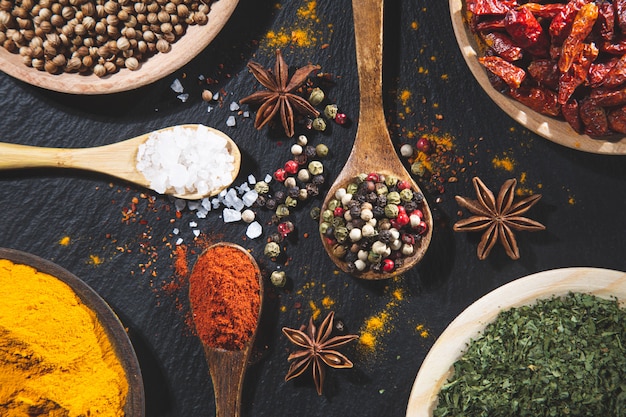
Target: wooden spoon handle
<point x="227" y="373"/>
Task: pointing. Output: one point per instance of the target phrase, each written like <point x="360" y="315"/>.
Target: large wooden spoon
<point x="373" y="150"/>
<point x="228" y="367"/>
<point x="117" y="159"/>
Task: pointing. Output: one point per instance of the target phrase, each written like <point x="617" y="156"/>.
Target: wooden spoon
<point x="373" y="150"/>
<point x="117" y="159"/>
<point x="228" y="367"/>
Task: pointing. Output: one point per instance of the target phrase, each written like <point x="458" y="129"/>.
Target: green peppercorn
<point x="282" y="211"/>
<point x="338" y="222"/>
<point x="328" y="215"/>
<point x="319" y="124"/>
<point x="352" y="188"/>
<point x="341" y="234"/>
<point x="406" y="195"/>
<point x="333" y="204"/>
<point x="262" y="187"/>
<point x="278" y="278"/>
<point x="324" y="226"/>
<point x="373" y="257"/>
<point x="291" y="202"/>
<point x="360" y="178"/>
<point x="418" y="168"/>
<point x="316" y="167"/>
<point x="316" y="97"/>
<point x="272" y="249"/>
<point x="393" y="198"/>
<point x="391" y="180"/>
<point x="391" y="211"/>
<point x="321" y="150"/>
<point x="381" y="189"/>
<point x="315" y="213"/>
<point x="331" y="110"/>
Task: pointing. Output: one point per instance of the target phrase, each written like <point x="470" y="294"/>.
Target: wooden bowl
<point x="135" y="401"/>
<point x="156" y="67"/>
<point x="449" y="347"/>
<point x="556" y="130"/>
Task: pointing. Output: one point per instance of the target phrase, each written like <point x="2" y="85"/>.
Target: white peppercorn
<point x="304" y="175"/>
<point x="302" y="140"/>
<point x="355" y="234"/>
<point x="368" y="230"/>
<point x="296" y="149"/>
<point x="248" y="216"/>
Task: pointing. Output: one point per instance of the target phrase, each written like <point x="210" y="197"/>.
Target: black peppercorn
<point x="271" y="204"/>
<point x="381" y="200"/>
<point x="330" y="232"/>
<point x="384" y="236"/>
<point x="275" y="237"/>
<point x="310" y="151"/>
<point x="300" y="159"/>
<point x="312" y="190"/>
<point x="418" y="197"/>
<point x="318" y="179"/>
<point x="260" y="200"/>
<point x="293" y="192"/>
<point x="355" y="211"/>
<point x="280" y="196"/>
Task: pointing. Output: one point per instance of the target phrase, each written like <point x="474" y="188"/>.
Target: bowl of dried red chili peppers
<point x="557" y="68"/>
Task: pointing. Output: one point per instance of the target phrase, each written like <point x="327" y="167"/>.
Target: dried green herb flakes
<point x="560" y="357"/>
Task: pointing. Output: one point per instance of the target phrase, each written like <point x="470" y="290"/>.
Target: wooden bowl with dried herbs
<point x="103" y="48"/>
<point x="551" y="343"/>
<point x="551" y="79"/>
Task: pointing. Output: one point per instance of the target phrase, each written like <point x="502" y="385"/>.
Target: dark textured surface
<point x="583" y="208"/>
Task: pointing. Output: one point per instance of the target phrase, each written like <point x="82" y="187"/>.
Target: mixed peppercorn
<point x="374" y="223"/>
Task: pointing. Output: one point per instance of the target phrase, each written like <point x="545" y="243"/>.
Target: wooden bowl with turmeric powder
<point x="62" y="348"/>
<point x="70" y="58"/>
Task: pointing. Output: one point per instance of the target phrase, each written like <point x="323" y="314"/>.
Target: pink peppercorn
<point x="388" y="265"/>
<point x="280" y="174"/>
<point x="373" y="177"/>
<point x="423" y="227"/>
<point x="424" y="145"/>
<point x="339" y="211"/>
<point x="341" y="118"/>
<point x="402" y="219"/>
<point x="291" y="167"/>
<point x="404" y="185"/>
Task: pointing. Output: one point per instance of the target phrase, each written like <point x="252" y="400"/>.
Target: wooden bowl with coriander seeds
<point x="65" y="302"/>
<point x="468" y="327"/>
<point x="111" y="39"/>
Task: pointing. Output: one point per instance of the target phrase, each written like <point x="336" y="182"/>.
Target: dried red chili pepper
<point x="526" y="31"/>
<point x="571" y="115"/>
<point x="509" y="73"/>
<point x="581" y="28"/>
<point x="608" y="98"/>
<point x="577" y="74"/>
<point x="599" y="70"/>
<point x="617" y="75"/>
<point x="541" y="100"/>
<point x="564" y="19"/>
<point x="606" y="20"/>
<point x="486" y="25"/>
<point x="594" y="119"/>
<point x="482" y="7"/>
<point x="546" y="11"/>
<point x="545" y="72"/>
<point x="616" y="46"/>
<point x="620" y="9"/>
<point x="503" y="46"/>
<point x="617" y="119"/>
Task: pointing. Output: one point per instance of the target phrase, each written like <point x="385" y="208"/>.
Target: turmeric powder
<point x="55" y="357"/>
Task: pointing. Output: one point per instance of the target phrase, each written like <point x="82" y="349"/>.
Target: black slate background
<point x="41" y="206"/>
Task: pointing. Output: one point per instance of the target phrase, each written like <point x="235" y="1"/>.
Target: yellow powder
<point x="315" y="310"/>
<point x="327" y="302"/>
<point x="95" y="260"/>
<point x="405" y="95"/>
<point x="503" y="162"/>
<point x="398" y="294"/>
<point x="65" y="241"/>
<point x="55" y="357"/>
<point x="308" y="11"/>
<point x="414" y="25"/>
<point x="422" y="331"/>
<point x="303" y="33"/>
<point x="367" y="340"/>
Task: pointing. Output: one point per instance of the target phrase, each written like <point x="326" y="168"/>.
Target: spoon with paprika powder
<point x="226" y="294"/>
<point x="117" y="159"/>
<point x="373" y="150"/>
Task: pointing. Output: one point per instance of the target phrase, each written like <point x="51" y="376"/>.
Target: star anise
<point x="279" y="96"/>
<point x="317" y="349"/>
<point x="497" y="217"/>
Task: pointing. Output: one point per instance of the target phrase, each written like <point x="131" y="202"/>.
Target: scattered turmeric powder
<point x="503" y="162"/>
<point x="305" y="32"/>
<point x="55" y="356"/>
<point x="65" y="241"/>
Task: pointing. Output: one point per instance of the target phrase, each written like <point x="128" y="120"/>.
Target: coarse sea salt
<point x="186" y="160"/>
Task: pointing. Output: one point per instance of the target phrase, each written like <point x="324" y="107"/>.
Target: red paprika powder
<point x="225" y="296"/>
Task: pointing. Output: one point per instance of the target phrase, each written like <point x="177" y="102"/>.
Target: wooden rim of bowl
<point x="135" y="400"/>
<point x="555" y="130"/>
<point x="196" y="39"/>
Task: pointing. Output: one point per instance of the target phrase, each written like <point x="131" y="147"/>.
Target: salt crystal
<point x="216" y="96"/>
<point x="206" y="203"/>
<point x="179" y="241"/>
<point x="250" y="197"/>
<point x="176" y="86"/>
<point x="231" y="215"/>
<point x="196" y="232"/>
<point x="176" y="231"/>
<point x="246" y="114"/>
<point x="243" y="188"/>
<point x="234" y="106"/>
<point x="193" y="205"/>
<point x="254" y="230"/>
<point x="230" y="122"/>
<point x="209" y="108"/>
<point x="268" y="178"/>
<point x="193" y="224"/>
<point x="183" y="97"/>
<point x="202" y="213"/>
<point x="251" y="179"/>
<point x="180" y="204"/>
